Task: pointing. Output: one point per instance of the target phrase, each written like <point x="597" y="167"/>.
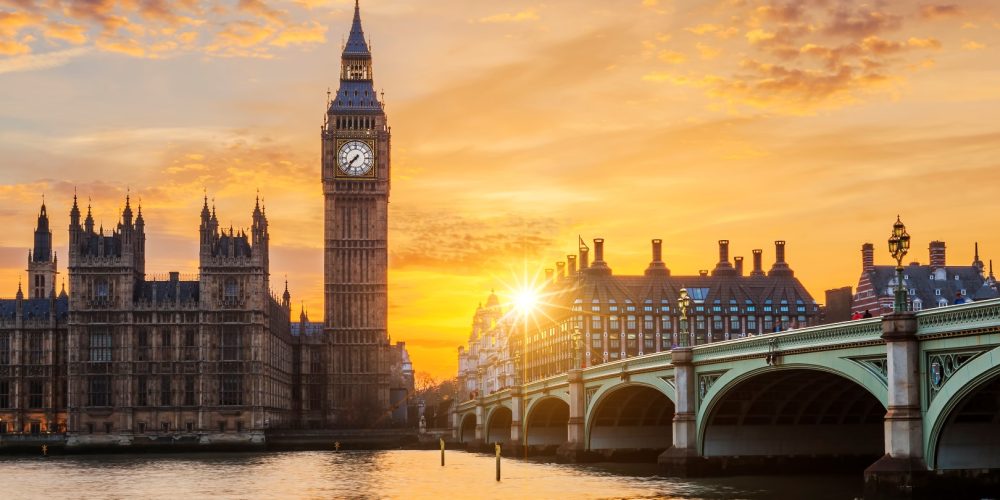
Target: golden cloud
<point x="156" y="28"/>
<point x="940" y="11"/>
<point x="803" y="55"/>
<point x="311" y="32"/>
<point x="71" y="33"/>
<point x="528" y="15"/>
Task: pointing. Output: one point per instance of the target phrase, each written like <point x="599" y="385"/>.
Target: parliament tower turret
<point x="42" y="260"/>
<point x="355" y="157"/>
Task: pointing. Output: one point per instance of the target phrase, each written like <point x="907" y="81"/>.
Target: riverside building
<point x="624" y="316"/>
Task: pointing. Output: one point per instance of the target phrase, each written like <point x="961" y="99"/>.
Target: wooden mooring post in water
<point x="442" y="452"/>
<point x="498" y="461"/>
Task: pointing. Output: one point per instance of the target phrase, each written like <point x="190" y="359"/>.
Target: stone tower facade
<point x="355" y="158"/>
<point x="42" y="260"/>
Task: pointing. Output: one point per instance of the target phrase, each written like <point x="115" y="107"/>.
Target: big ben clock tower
<point x="355" y="160"/>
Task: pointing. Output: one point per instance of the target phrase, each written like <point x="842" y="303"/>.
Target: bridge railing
<point x="632" y="365"/>
<point x="971" y="316"/>
<point x="866" y="330"/>
<point x="542" y="384"/>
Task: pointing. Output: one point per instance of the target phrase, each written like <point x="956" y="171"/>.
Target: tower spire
<point x="356" y="44"/>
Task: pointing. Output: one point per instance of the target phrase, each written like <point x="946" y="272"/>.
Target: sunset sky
<point x="517" y="125"/>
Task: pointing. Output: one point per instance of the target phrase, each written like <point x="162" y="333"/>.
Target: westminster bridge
<point x="920" y="390"/>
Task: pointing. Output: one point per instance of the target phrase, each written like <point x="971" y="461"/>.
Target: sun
<point x="525" y="301"/>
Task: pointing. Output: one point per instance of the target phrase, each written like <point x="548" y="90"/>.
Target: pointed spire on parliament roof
<point x="356" y="44"/>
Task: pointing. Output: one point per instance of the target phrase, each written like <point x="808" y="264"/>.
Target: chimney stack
<point x="548" y="275"/>
<point x="780" y="267"/>
<point x="739" y="265"/>
<point x="571" y="259"/>
<point x="758" y="263"/>
<point x="723" y="268"/>
<point x="599" y="266"/>
<point x="867" y="257"/>
<point x="584" y="257"/>
<point x="656" y="266"/>
<point x="561" y="269"/>
<point x="937" y="254"/>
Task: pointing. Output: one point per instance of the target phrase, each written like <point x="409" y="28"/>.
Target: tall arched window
<point x="102" y="290"/>
<point x="230" y="290"/>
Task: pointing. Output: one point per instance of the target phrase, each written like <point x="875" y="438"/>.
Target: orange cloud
<point x="311" y="32"/>
<point x="71" y="33"/>
<point x="940" y="11"/>
<point x="260" y="9"/>
<point x="523" y="16"/>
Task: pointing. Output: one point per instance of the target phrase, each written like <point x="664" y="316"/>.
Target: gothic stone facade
<point x="202" y="361"/>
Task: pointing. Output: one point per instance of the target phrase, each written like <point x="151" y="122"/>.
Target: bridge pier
<point x="902" y="471"/>
<point x="516" y="445"/>
<point x="682" y="458"/>
<point x="575" y="448"/>
<point x="480" y="426"/>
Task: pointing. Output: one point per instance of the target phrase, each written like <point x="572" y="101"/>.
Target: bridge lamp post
<point x="517" y="368"/>
<point x="482" y="382"/>
<point x="899" y="244"/>
<point x="577" y="349"/>
<point x="683" y="304"/>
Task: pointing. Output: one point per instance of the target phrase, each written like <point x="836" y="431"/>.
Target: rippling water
<point x="376" y="474"/>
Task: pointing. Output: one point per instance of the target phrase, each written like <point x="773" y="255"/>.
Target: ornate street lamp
<point x="577" y="349"/>
<point x="482" y="386"/>
<point x="517" y="368"/>
<point x="899" y="244"/>
<point x="683" y="304"/>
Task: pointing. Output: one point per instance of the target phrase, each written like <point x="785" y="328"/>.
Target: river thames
<point x="377" y="474"/>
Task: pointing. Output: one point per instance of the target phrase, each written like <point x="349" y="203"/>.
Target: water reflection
<point x="389" y="474"/>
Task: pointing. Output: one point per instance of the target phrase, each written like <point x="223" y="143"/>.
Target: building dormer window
<point x="957" y="278"/>
<point x="942" y="303"/>
<point x="918" y="304"/>
<point x="913" y="291"/>
<point x="937" y="292"/>
<point x="963" y="292"/>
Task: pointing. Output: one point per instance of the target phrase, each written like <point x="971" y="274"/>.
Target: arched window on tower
<point x="231" y="290"/>
<point x="102" y="290"/>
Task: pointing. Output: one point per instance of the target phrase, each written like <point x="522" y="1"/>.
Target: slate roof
<point x="35" y="308"/>
<point x="167" y="291"/>
<point x="308" y="329"/>
<point x="356" y="44"/>
<point x="922" y="280"/>
<point x="724" y="290"/>
<point x="356" y="96"/>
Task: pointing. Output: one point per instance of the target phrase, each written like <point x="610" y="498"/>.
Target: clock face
<point x="356" y="158"/>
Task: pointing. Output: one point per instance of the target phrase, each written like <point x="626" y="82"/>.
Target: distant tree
<point x="437" y="397"/>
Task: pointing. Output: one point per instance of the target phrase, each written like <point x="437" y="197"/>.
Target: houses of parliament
<point x="125" y="358"/>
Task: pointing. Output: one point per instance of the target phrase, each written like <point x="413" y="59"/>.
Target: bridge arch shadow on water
<point x="498" y="425"/>
<point x="467" y="431"/>
<point x="808" y="418"/>
<point x="545" y="425"/>
<point x="631" y="420"/>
